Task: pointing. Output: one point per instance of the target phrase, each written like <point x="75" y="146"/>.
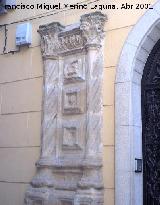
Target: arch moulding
<point x="128" y="138"/>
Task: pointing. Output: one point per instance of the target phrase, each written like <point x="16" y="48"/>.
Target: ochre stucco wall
<point x="21" y="79"/>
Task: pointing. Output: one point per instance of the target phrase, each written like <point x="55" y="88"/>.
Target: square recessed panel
<point x="83" y="203"/>
<point x="74" y="69"/>
<point x="74" y="100"/>
<point x="73" y="137"/>
<point x="86" y="201"/>
<point x="38" y="202"/>
<point x="66" y="202"/>
<point x="70" y="137"/>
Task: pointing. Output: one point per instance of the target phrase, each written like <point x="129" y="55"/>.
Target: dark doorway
<point x="151" y="128"/>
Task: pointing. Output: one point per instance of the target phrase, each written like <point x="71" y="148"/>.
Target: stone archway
<point x="128" y="139"/>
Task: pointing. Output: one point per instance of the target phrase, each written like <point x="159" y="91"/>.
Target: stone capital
<point x="92" y="27"/>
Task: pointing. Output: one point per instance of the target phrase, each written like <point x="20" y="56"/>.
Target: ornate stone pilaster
<point x="70" y="167"/>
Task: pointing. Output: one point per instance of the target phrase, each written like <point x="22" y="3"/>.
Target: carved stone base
<point x="89" y="197"/>
<point x="91" y="178"/>
<point x="42" y="196"/>
<point x="44" y="178"/>
<point x="37" y="196"/>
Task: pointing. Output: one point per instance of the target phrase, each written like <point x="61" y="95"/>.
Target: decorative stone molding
<point x="70" y="167"/>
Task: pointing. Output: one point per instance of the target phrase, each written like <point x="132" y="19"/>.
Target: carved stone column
<point x="70" y="166"/>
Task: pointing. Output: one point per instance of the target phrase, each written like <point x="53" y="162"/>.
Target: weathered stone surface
<point x="70" y="167"/>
